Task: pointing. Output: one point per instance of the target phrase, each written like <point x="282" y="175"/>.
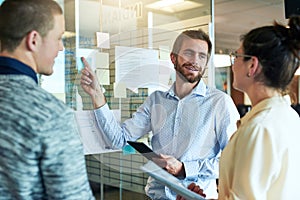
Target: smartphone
<point x="143" y="149"/>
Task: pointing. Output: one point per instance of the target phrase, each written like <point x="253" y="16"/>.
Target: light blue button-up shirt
<point x="194" y="129"/>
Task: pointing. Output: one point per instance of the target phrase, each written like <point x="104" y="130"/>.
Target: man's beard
<point x="187" y="76"/>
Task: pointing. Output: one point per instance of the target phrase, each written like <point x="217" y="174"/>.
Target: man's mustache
<point x="193" y="65"/>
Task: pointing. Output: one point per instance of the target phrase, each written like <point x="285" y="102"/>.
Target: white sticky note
<point x="103" y="76"/>
<point x="103" y="40"/>
<point x="102" y="60"/>
<point x="120" y="90"/>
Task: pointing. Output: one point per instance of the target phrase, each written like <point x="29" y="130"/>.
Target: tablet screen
<point x="143" y="149"/>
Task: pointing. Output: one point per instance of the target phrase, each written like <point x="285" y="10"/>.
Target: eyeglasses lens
<point x="232" y="58"/>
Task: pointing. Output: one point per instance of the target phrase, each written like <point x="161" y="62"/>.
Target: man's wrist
<point x="98" y="100"/>
<point x="181" y="172"/>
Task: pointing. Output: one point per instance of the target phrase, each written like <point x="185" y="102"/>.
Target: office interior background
<point x="127" y="43"/>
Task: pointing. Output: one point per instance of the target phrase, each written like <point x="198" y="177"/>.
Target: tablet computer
<point x="143" y="149"/>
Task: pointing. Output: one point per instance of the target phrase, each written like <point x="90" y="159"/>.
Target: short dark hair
<point x="277" y="49"/>
<point x="19" y="17"/>
<point x="191" y="34"/>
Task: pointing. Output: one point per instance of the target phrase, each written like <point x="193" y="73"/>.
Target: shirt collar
<point x="263" y="105"/>
<point x="13" y="66"/>
<point x="199" y="90"/>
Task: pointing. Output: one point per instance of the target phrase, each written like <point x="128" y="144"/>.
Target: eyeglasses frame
<point x="234" y="55"/>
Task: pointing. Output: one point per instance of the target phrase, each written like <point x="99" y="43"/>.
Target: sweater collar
<point x="13" y="66"/>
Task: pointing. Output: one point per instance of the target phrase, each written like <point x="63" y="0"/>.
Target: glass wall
<point x="127" y="43"/>
<point x="122" y="40"/>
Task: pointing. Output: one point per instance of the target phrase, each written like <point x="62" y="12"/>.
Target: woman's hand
<point x="195" y="188"/>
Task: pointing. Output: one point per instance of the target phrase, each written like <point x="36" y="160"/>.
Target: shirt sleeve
<point x="203" y="169"/>
<point x="131" y="129"/>
<point x="62" y="161"/>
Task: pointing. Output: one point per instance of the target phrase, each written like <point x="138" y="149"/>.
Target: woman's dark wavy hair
<point x="277" y="49"/>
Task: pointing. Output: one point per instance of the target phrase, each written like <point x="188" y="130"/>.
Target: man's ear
<point x="173" y="58"/>
<point x="32" y="40"/>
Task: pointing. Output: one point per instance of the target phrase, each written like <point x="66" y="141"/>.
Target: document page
<point x="92" y="138"/>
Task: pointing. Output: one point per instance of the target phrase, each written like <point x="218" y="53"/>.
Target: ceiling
<point x="232" y="18"/>
<point x="236" y="17"/>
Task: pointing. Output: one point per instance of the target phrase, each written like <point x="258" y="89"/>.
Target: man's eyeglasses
<point x="235" y="55"/>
